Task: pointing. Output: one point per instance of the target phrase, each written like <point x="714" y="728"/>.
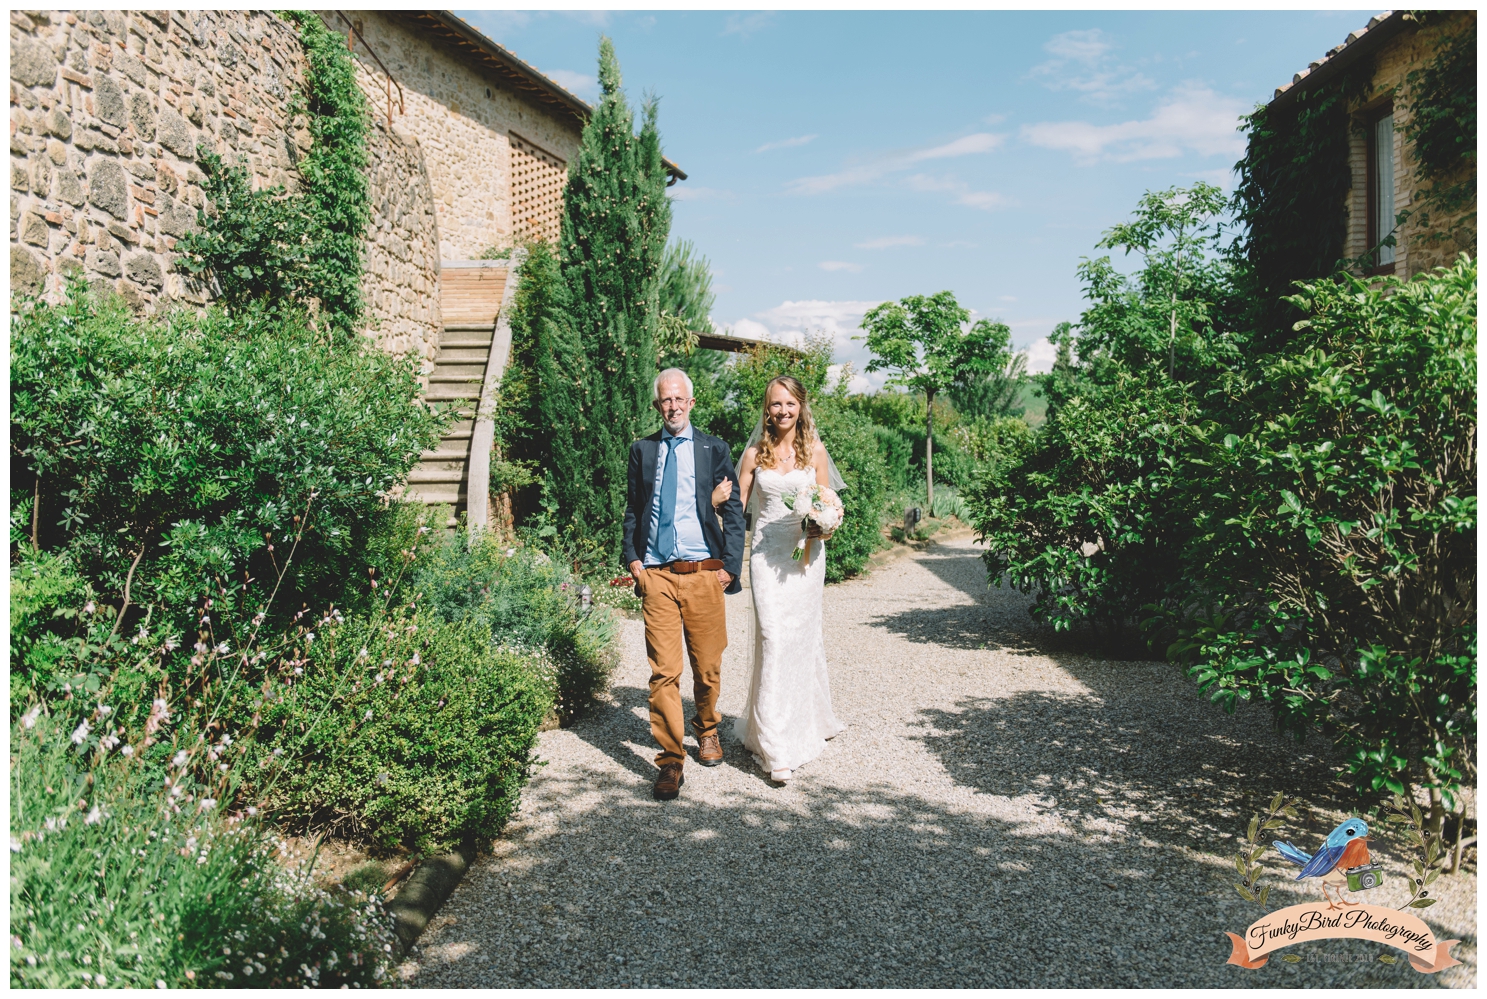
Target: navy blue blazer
<point x="724" y="540"/>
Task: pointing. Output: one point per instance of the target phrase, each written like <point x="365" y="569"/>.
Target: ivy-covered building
<point x="1368" y="156"/>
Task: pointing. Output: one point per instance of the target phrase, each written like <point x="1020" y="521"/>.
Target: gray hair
<point x="667" y="375"/>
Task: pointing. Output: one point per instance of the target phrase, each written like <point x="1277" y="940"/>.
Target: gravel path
<point x="993" y="816"/>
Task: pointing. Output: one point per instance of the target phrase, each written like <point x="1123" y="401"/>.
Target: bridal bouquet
<point x="818" y="505"/>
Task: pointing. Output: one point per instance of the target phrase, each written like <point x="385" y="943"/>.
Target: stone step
<point x="447" y="453"/>
<point x="465" y="343"/>
<point x="444" y="371"/>
<point x="441" y="392"/>
<point x="434" y="494"/>
<point x="463" y="355"/>
<point x="445" y="377"/>
<point x="443" y="472"/>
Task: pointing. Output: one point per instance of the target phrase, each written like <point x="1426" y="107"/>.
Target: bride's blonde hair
<point x="805" y="427"/>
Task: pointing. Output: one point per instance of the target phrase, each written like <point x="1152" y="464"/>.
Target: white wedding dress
<point x="788" y="717"/>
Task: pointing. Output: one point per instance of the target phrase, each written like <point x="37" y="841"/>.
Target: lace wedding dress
<point x="788" y="717"/>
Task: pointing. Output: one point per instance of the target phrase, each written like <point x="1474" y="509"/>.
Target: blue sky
<point x="839" y="159"/>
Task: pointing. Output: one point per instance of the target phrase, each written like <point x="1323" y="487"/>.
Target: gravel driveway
<point x="993" y="816"/>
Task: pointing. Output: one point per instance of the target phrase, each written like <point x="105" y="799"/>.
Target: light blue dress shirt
<point x="691" y="546"/>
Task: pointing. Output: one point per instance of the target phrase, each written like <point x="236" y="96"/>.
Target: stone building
<point x="1385" y="179"/>
<point x="468" y="154"/>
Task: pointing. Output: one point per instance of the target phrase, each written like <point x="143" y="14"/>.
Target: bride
<point x="788" y="717"/>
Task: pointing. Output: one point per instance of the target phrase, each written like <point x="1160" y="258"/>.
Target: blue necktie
<point x="666" y="531"/>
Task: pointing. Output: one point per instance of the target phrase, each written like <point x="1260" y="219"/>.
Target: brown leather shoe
<point x="709" y="750"/>
<point x="669" y="782"/>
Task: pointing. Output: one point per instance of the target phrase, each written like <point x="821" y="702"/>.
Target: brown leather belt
<point x="683" y="568"/>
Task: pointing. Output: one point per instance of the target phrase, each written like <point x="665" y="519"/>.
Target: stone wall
<point x="462" y="120"/>
<point x="1410" y="50"/>
<point x="107" y="109"/>
<point x="401" y="277"/>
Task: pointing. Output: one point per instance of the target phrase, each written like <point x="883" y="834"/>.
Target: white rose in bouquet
<point x="817" y="505"/>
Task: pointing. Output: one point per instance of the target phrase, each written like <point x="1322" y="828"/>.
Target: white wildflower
<point x="90" y="608"/>
<point x="94" y="817"/>
<point x="226" y="739"/>
<point x="206" y="804"/>
<point x="416" y="659"/>
<point x="104" y="711"/>
<point x="367" y="716"/>
<point x="127" y="750"/>
<point x="15" y="845"/>
<point x="180" y="759"/>
<point x="172" y="643"/>
<point x="80" y="734"/>
<point x="29" y="718"/>
<point x="309" y="638"/>
<point x="362" y="654"/>
<point x="109" y="742"/>
<point x="222" y="649"/>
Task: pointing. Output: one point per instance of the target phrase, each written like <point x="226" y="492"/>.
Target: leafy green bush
<point x="180" y="457"/>
<point x="520" y="595"/>
<point x="851" y="441"/>
<point x="445" y="725"/>
<point x="115" y="884"/>
<point x="1343" y="565"/>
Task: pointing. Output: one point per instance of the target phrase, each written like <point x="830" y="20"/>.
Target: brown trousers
<point x="683" y="609"/>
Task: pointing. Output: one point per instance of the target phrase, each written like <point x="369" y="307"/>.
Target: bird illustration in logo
<point x="1346" y="847"/>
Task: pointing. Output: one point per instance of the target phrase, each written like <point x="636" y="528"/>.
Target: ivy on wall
<point x="277" y="250"/>
<point x="1292" y="196"/>
<point x="1442" y="100"/>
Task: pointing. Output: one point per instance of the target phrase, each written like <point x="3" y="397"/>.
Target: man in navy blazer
<point x="684" y="555"/>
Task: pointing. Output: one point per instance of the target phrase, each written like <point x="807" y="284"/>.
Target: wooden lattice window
<point x="537" y="179"/>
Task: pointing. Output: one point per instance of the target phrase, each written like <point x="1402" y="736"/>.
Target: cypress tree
<point x="596" y="350"/>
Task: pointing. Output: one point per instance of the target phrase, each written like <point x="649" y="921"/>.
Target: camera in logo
<point x="1365" y="877"/>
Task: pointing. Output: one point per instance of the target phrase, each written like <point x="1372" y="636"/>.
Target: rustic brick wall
<point x="107" y="109"/>
<point x="1410" y="50"/>
<point x="462" y="120"/>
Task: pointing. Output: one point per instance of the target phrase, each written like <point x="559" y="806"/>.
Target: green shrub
<point x="1341" y="569"/>
<point x="520" y="595"/>
<point x="445" y="726"/>
<point x="182" y="456"/>
<point x="116" y="884"/>
<point x="852" y="442"/>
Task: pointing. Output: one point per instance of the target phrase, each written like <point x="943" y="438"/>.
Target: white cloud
<point x="1009" y="298"/>
<point x="985" y="200"/>
<point x="1191" y="119"/>
<point x="839" y="265"/>
<point x="1081" y="62"/>
<point x="799" y="140"/>
<point x="580" y="84"/>
<point x="1080" y="46"/>
<point x="745" y="25"/>
<point x="980" y="142"/>
<point x="790" y="322"/>
<point x="884" y="242"/>
<point x="1040" y="356"/>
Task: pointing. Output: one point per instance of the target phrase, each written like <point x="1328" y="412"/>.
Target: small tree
<point x="925" y="342"/>
<point x="596" y="345"/>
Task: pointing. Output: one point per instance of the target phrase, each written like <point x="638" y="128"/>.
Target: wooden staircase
<point x="473" y="349"/>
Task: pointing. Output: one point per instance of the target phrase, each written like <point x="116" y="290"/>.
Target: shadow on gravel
<point x="819" y="886"/>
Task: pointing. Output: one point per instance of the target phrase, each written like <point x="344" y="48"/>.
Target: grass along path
<point x="994" y="815"/>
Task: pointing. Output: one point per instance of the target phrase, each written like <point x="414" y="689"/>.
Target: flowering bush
<point x="522" y="597"/>
<point x="404" y="731"/>
<point x="175" y="459"/>
<point x="115" y="883"/>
